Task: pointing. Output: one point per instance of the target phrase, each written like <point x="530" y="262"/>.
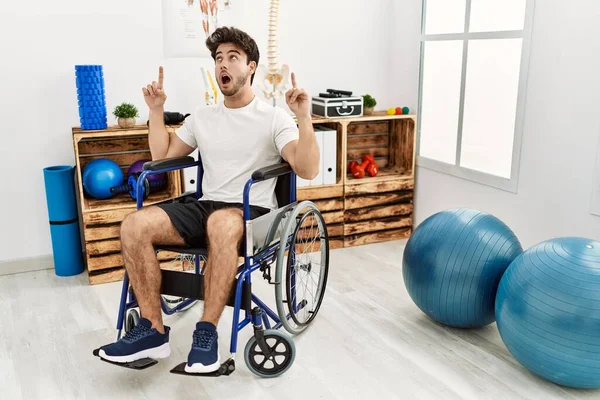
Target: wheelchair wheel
<point x="301" y="275"/>
<point x="278" y="342"/>
<point x="132" y="319"/>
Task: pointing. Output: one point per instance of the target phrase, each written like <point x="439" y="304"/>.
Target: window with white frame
<point x="474" y="60"/>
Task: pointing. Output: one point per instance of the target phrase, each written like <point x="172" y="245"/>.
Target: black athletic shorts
<point x="190" y="217"/>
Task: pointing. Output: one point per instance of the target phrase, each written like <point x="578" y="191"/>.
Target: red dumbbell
<point x="358" y="171"/>
<point x="351" y="165"/>
<point x="372" y="169"/>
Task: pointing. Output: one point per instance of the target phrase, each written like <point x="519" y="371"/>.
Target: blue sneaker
<point x="140" y="342"/>
<point x="204" y="355"/>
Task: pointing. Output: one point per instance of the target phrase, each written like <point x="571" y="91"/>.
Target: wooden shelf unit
<point x="370" y="209"/>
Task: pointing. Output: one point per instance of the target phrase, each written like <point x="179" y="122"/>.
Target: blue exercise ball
<point x="548" y="311"/>
<point x="453" y="263"/>
<point x="99" y="176"/>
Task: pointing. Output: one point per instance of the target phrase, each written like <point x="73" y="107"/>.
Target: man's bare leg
<point x="225" y="230"/>
<point x="139" y="232"/>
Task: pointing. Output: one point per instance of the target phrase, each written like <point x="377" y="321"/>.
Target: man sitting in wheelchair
<point x="234" y="138"/>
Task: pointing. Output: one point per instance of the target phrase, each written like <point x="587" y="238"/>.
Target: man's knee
<point x="226" y="224"/>
<point x="132" y="227"/>
<point x="139" y="225"/>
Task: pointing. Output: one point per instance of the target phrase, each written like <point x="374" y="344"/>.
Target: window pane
<point x="494" y="15"/>
<point x="491" y="91"/>
<point x="441" y="75"/>
<point x="445" y="16"/>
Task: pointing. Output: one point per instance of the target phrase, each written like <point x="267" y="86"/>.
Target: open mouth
<point x="225" y="79"/>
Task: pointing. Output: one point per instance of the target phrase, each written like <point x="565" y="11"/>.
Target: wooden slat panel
<point x="113" y="275"/>
<point x="395" y="132"/>
<point x="103" y="247"/>
<point x="125" y="159"/>
<point x="371" y="213"/>
<point x="110" y="145"/>
<point x="372" y="185"/>
<point x="368" y="141"/>
<point x="106" y="217"/>
<point x="319" y="192"/>
<point x="376" y="225"/>
<point x="381" y="162"/>
<point x="329" y="205"/>
<point x="102" y="232"/>
<point x="335" y="230"/>
<point x="357" y="154"/>
<point x="377" y="199"/>
<point x="116" y="260"/>
<point x="408" y="144"/>
<point x="356" y="128"/>
<point x="336" y="244"/>
<point x="334" y="217"/>
<point x="381" y="236"/>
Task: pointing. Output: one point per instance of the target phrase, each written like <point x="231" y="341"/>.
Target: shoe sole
<point x="198" y="368"/>
<point x="162" y="351"/>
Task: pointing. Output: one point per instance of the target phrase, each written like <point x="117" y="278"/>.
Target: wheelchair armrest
<point x="180" y="162"/>
<point x="272" y="171"/>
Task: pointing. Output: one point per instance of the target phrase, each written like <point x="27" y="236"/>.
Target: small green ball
<point x="405" y="110"/>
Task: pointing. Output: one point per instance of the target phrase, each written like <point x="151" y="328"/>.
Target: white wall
<point x="346" y="46"/>
<point x="560" y="138"/>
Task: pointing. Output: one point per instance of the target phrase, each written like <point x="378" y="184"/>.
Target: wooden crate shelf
<point x="330" y="201"/>
<point x="100" y="219"/>
<point x="374" y="209"/>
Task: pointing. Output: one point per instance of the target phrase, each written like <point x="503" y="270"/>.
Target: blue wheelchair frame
<point x="251" y="262"/>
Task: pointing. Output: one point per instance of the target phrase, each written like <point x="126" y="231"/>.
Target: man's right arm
<point x="162" y="145"/>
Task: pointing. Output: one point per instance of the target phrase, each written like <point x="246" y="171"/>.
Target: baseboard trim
<point x="26" y="265"/>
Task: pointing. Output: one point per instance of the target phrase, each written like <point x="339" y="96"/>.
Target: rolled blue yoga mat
<point x="63" y="219"/>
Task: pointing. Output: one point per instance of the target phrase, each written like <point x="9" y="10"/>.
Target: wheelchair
<point x="293" y="237"/>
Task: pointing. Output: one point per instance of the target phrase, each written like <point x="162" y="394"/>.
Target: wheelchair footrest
<point x="225" y="369"/>
<point x="142" y="363"/>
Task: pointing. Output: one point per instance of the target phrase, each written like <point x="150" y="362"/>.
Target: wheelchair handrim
<point x="290" y="228"/>
<point x="322" y="284"/>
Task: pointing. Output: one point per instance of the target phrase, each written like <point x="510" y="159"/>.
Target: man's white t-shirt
<point x="235" y="142"/>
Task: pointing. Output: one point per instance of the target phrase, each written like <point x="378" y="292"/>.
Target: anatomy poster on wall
<point x="187" y="24"/>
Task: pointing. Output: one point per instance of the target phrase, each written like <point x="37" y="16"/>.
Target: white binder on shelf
<point x="318" y="180"/>
<point x="329" y="155"/>
<point x="190" y="175"/>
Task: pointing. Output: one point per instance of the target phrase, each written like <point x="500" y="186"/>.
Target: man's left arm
<point x="303" y="155"/>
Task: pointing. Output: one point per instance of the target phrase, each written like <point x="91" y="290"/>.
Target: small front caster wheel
<point x="283" y="354"/>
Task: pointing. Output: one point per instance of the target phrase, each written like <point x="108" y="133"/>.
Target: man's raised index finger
<point x="294" y="84"/>
<point x="161" y="75"/>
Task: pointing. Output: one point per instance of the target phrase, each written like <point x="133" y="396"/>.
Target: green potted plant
<point x="369" y="104"/>
<point x="126" y="114"/>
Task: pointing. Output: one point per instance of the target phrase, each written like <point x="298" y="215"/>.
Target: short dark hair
<point x="236" y="36"/>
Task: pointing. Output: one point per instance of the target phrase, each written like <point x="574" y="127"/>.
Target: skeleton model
<point x="273" y="79"/>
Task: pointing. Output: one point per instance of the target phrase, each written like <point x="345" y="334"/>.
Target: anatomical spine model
<point x="273" y="79"/>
